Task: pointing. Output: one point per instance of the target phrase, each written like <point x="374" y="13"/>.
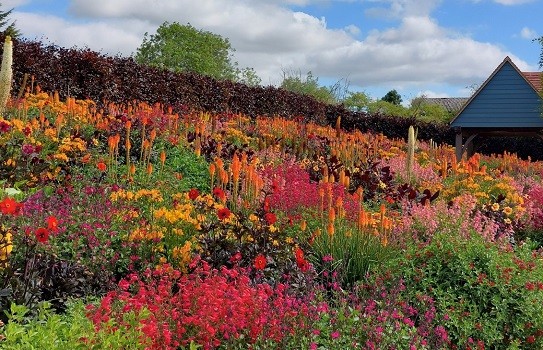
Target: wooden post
<point x="458" y="144"/>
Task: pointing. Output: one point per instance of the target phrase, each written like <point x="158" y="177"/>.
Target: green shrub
<point x="485" y="295"/>
<point x="73" y="330"/>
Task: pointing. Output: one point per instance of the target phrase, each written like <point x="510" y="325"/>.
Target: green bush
<point x="485" y="295"/>
<point x="73" y="330"/>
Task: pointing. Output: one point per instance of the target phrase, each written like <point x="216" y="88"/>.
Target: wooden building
<point x="509" y="103"/>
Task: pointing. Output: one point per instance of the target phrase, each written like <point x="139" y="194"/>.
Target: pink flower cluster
<point x="208" y="306"/>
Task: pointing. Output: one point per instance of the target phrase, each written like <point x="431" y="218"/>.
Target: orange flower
<point x="42" y="234"/>
<point x="260" y="262"/>
<point x="52" y="223"/>
<point x="101" y="166"/>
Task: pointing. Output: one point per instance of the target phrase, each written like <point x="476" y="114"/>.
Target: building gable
<point x="507" y="99"/>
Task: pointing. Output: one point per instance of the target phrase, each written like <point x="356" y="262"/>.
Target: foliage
<point x="392" y="97"/>
<point x="486" y="295"/>
<point x="357" y="101"/>
<point x="10" y="29"/>
<point x="308" y="85"/>
<point x="185" y="48"/>
<point x="73" y="330"/>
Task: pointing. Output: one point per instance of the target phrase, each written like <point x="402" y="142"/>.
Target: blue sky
<point x="430" y="47"/>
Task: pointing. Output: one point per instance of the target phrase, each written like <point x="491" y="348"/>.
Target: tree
<point x="393" y="97"/>
<point x="308" y="85"/>
<point x="183" y="48"/>
<point x="540" y="40"/>
<point x="357" y="101"/>
<point x="10" y="30"/>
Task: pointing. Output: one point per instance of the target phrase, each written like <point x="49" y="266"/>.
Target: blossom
<point x="224" y="213"/>
<point x="27" y="149"/>
<point x="495" y="207"/>
<point x="101" y="166"/>
<point x="52" y="223"/>
<point x="270" y="218"/>
<point x="235" y="258"/>
<point x="260" y="262"/>
<point x="219" y="193"/>
<point x="194" y="193"/>
<point x="327" y="258"/>
<point x="4" y="126"/>
<point x="335" y="335"/>
<point x="507" y="210"/>
<point x="8" y="206"/>
<point x="42" y="234"/>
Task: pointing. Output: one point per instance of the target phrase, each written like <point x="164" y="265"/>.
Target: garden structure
<point x="508" y="103"/>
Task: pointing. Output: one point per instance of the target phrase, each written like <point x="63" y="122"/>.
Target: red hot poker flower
<point x="260" y="262"/>
<point x="42" y="235"/>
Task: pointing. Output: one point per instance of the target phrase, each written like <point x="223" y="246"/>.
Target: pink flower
<point x="327" y="258"/>
<point x="335" y="335"/>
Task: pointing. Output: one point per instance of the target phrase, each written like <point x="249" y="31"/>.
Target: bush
<point x="488" y="297"/>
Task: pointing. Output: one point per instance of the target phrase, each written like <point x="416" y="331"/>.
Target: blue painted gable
<point x="505" y="100"/>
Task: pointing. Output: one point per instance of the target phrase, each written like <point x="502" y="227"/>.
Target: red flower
<point x="42" y="235"/>
<point x="300" y="260"/>
<point x="8" y="206"/>
<point x="224" y="213"/>
<point x="4" y="126"/>
<point x="101" y="166"/>
<point x="194" y="193"/>
<point x="52" y="223"/>
<point x="260" y="262"/>
<point x="235" y="258"/>
<point x="219" y="193"/>
<point x="270" y="218"/>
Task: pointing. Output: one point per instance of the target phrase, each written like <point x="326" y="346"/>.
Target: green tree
<point x="357" y="101"/>
<point x="393" y="97"/>
<point x="7" y="27"/>
<point x="540" y="40"/>
<point x="308" y="85"/>
<point x="183" y="48"/>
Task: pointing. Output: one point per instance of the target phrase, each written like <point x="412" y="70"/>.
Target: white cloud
<point x="269" y="37"/>
<point x="513" y="2"/>
<point x="527" y="33"/>
<point x="9" y="4"/>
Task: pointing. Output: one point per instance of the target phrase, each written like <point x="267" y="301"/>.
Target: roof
<point x="535" y="79"/>
<point x="451" y="104"/>
<point x="492" y="102"/>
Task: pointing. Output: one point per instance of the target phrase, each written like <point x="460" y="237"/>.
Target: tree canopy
<point x="393" y="97"/>
<point x="183" y="48"/>
<point x="5" y="25"/>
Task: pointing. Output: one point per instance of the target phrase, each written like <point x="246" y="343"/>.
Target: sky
<point x="417" y="47"/>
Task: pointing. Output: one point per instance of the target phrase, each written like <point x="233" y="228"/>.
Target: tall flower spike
<point x="6" y="72"/>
